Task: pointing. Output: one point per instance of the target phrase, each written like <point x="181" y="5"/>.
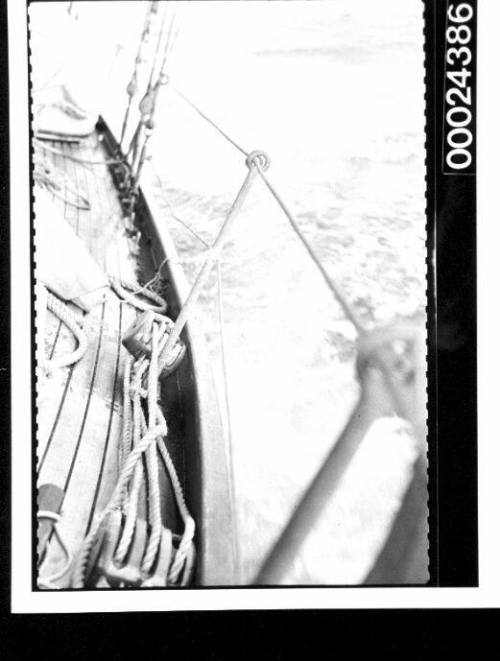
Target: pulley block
<point x="137" y="340"/>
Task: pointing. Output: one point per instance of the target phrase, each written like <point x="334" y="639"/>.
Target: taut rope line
<point x="132" y="85"/>
<point x="215" y="251"/>
<point x="229" y="441"/>
<point x="349" y="311"/>
<point x="210" y="121"/>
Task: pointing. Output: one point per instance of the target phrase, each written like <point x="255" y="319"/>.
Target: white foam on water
<point x="333" y="91"/>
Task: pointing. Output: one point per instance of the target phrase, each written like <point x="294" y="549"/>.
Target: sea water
<point x="333" y="91"/>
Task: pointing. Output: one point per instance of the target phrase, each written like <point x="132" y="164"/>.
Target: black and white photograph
<point x="243" y="266"/>
<point x="230" y="293"/>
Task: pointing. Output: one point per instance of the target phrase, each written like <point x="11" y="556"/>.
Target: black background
<point x="452" y="382"/>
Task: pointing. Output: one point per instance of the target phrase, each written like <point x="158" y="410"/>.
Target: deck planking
<point x="79" y="418"/>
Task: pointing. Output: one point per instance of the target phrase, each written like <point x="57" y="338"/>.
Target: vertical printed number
<point x="459" y="137"/>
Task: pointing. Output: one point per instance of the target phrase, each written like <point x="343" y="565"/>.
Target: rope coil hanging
<point x="64" y="314"/>
<point x="141" y="438"/>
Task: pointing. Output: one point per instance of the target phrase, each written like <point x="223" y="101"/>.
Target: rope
<point x="152" y="461"/>
<point x="122" y="288"/>
<point x="349" y="311"/>
<point x="169" y="44"/>
<point x="133" y="502"/>
<point x="173" y="214"/>
<point x="48" y="582"/>
<point x="157" y="50"/>
<point x="78" y="579"/>
<point x="145" y="104"/>
<point x="63" y="313"/>
<point x="77" y="159"/>
<point x="126" y="437"/>
<point x="214" y="253"/>
<point x="189" y="525"/>
<point x="145" y="440"/>
<point x="68" y="107"/>
<point x="50" y="136"/>
<point x="210" y="121"/>
<point x="148" y="104"/>
<point x="132" y="86"/>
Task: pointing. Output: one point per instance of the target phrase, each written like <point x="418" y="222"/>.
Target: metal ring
<point x="258" y="158"/>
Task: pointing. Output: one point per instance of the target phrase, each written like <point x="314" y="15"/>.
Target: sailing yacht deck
<point x="79" y="408"/>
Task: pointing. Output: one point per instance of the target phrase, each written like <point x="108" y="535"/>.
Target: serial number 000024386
<point x="458" y="98"/>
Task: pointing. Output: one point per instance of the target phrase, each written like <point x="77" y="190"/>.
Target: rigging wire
<point x="334" y="287"/>
<point x="210" y="121"/>
<point x="175" y="216"/>
<point x="132" y="85"/>
<point x="148" y="99"/>
<point x="229" y="444"/>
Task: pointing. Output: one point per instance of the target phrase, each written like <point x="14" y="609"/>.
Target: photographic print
<point x="230" y="284"/>
<point x="244" y="340"/>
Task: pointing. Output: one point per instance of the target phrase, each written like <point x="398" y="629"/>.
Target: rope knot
<point x="258" y="159"/>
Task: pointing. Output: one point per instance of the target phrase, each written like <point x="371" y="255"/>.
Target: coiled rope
<point x="64" y="314"/>
<point x="129" y="291"/>
<point x="141" y="438"/>
<point x="119" y="493"/>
